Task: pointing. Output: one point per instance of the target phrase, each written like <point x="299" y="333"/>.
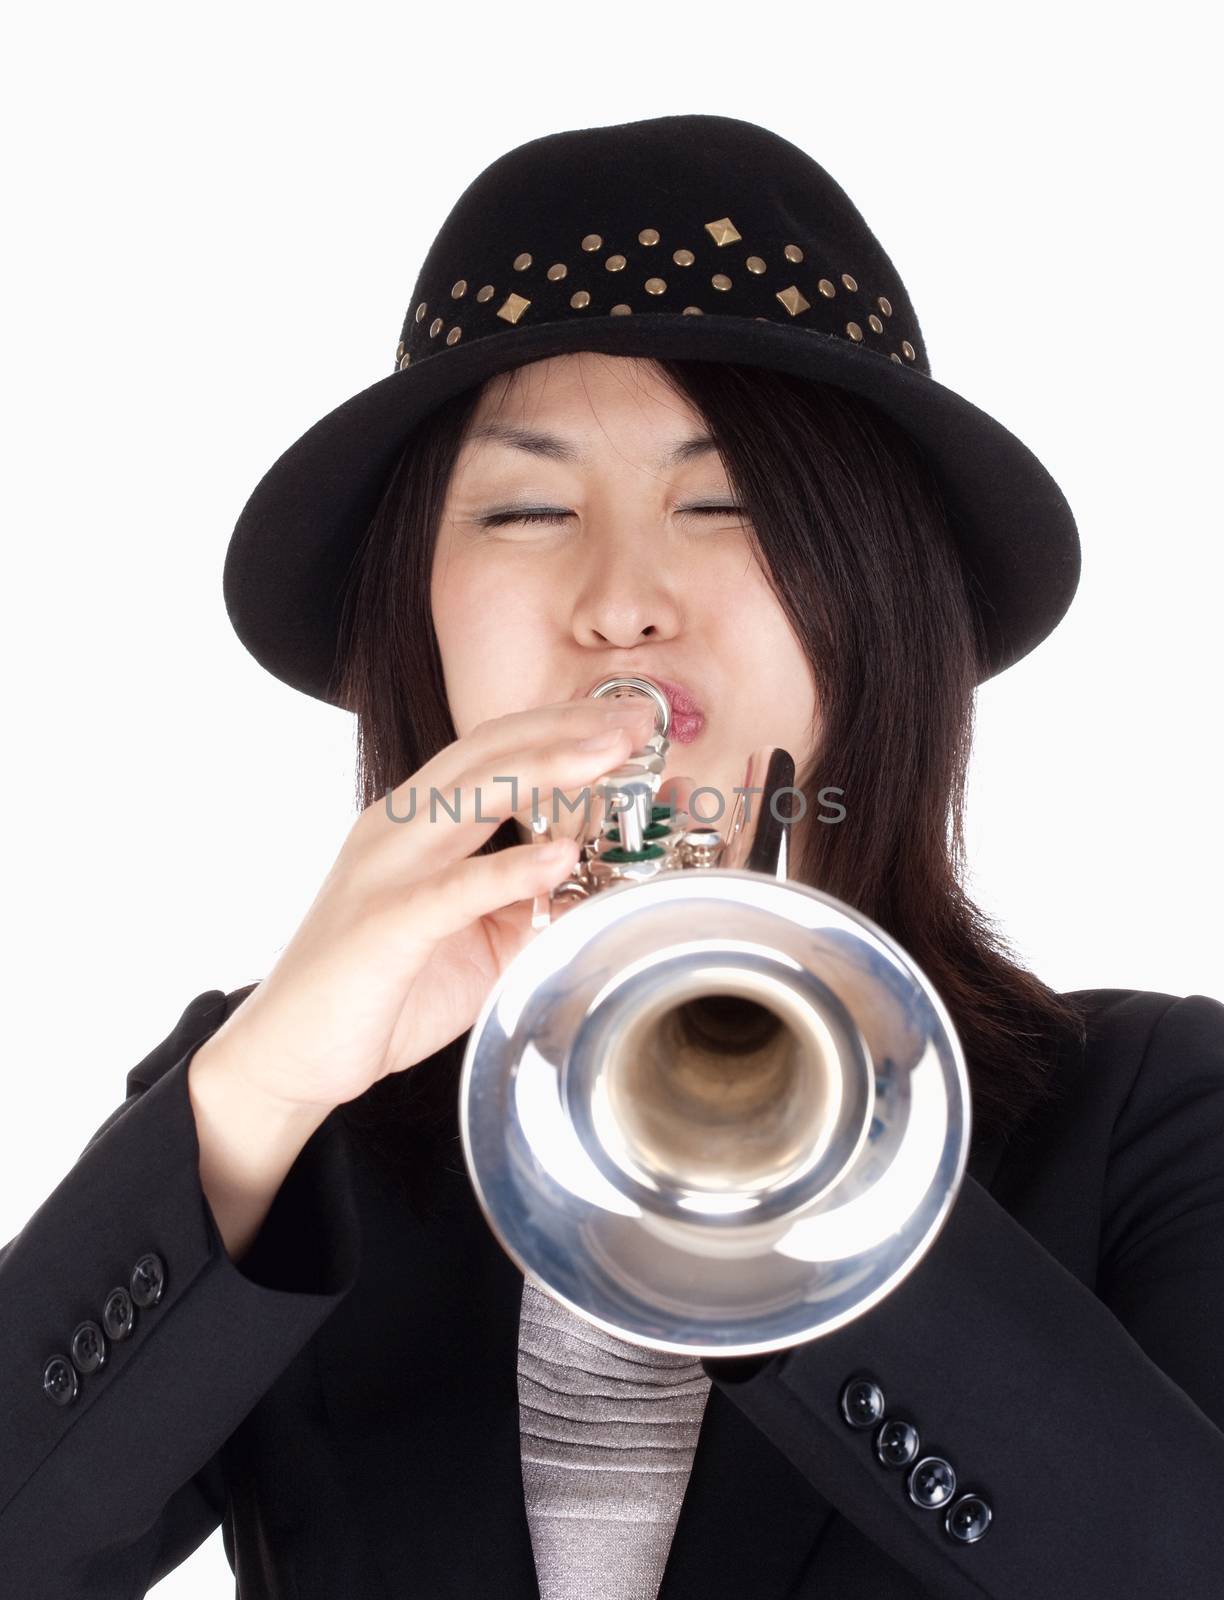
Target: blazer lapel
<point x="749" y="1522"/>
<point x="419" y="1370"/>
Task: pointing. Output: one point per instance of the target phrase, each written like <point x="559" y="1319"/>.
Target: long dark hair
<point x="851" y="532"/>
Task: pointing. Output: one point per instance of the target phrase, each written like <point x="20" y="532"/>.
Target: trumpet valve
<point x="699" y="847"/>
<point x="630" y="792"/>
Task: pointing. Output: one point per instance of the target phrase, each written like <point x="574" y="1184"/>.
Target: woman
<point x="265" y="1296"/>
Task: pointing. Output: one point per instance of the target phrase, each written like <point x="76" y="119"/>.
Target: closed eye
<point x="497" y="518"/>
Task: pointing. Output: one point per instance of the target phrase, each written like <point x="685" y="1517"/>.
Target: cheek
<point x="736" y="598"/>
<point x="487" y="640"/>
<point x="749" y="609"/>
<point x="469" y="607"/>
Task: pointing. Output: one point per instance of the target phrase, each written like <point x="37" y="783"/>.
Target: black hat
<point x="698" y="237"/>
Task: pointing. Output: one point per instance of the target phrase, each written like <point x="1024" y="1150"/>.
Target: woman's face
<point x="624" y="576"/>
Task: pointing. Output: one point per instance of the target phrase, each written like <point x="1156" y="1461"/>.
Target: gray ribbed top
<point x="608" y="1430"/>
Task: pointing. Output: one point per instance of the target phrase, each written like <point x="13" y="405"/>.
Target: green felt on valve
<point x="656" y="830"/>
<point x="617" y="857"/>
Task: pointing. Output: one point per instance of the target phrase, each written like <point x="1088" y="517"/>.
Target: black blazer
<point x="345" y="1402"/>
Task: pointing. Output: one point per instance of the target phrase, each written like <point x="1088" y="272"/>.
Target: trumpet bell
<point x="719" y="1113"/>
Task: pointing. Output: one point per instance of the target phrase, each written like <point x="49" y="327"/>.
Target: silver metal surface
<point x="712" y="1110"/>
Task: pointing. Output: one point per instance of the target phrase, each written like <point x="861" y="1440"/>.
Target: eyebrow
<point x="554" y="448"/>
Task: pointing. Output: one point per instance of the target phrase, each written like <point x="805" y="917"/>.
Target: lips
<point x="681" y="701"/>
<point x="687" y="717"/>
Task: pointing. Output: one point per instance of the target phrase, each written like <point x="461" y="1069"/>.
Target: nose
<point x="624" y="594"/>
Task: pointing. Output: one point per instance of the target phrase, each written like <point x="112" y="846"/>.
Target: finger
<point x="504" y="737"/>
<point x="480" y="886"/>
<point x="446" y="826"/>
<point x="572" y="812"/>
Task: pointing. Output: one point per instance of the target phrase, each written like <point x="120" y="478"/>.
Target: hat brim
<point x="292" y="547"/>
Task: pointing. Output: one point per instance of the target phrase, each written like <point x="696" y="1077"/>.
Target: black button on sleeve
<point x="60" y="1382"/>
<point x="118" y="1315"/>
<point x="88" y="1348"/>
<point x="896" y="1442"/>
<point x="148" y="1280"/>
<point x="862" y="1403"/>
<point x="968" y="1519"/>
<point x="931" y="1483"/>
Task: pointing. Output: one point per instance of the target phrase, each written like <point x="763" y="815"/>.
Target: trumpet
<point x="710" y="1109"/>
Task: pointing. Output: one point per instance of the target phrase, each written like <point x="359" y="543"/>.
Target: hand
<point x="409" y="930"/>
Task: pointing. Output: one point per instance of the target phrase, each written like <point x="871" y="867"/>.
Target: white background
<point x="215" y="220"/>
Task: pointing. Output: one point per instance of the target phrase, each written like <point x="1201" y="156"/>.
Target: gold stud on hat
<point x="512" y="307"/>
<point x="793" y="300"/>
<point x="723" y="231"/>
